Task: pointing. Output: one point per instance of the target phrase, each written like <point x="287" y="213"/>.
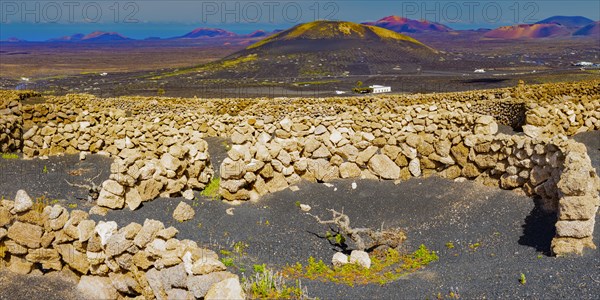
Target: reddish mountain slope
<point x="528" y="31"/>
<point x="400" y="24"/>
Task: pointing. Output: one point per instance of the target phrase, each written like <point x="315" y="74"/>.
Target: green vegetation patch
<point x="212" y="189"/>
<point x="10" y="156"/>
<point x="316" y="82"/>
<point x="215" y="66"/>
<point x="266" y="284"/>
<point x="390" y="267"/>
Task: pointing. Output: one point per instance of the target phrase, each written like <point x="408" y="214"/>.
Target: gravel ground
<point x="49" y="177"/>
<point x="50" y="287"/>
<point x="511" y="231"/>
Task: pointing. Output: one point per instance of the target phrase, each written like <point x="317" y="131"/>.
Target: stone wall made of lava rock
<point x="152" y="155"/>
<point x="159" y="148"/>
<point x="11" y="124"/>
<point x="558" y="170"/>
<point x="108" y="262"/>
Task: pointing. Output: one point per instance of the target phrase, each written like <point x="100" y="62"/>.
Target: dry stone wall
<point x="146" y="261"/>
<point x="158" y="147"/>
<point x="153" y="156"/>
<point x="11" y="124"/>
<point x="552" y="169"/>
<point x="569" y="116"/>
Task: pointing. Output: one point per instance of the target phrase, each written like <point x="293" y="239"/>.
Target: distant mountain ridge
<point x="68" y="38"/>
<point x="405" y="25"/>
<point x="96" y="36"/>
<point x="198" y="33"/>
<point x="555" y="26"/>
<point x="567" y="21"/>
<point x="592" y="29"/>
<point x="207" y="33"/>
<point x="528" y="31"/>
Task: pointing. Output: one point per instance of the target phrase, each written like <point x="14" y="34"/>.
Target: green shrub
<point x="212" y="189"/>
<point x="266" y="284"/>
<point x="522" y="279"/>
<point x="386" y="268"/>
<point x="10" y="156"/>
<point x="227" y="261"/>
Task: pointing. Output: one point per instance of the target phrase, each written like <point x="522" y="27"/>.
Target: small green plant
<point x="450" y="245"/>
<point x="45" y="170"/>
<point x="199" y="226"/>
<point x="297" y="203"/>
<point x="10" y="156"/>
<point x="267" y="284"/>
<point x="474" y="246"/>
<point x="55" y="201"/>
<point x="259" y="268"/>
<point x="337" y="239"/>
<point x="240" y="248"/>
<point x="40" y="203"/>
<point x="72" y="205"/>
<point x="451" y="295"/>
<point x="212" y="189"/>
<point x="225" y="252"/>
<point x="195" y="202"/>
<point x="424" y="256"/>
<point x="226" y="145"/>
<point x="540" y="256"/>
<point x="228" y="261"/>
<point x="522" y="279"/>
<point x="385" y="268"/>
<point x="160" y="91"/>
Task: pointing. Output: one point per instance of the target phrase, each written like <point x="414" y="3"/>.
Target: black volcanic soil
<point x="49" y="287"/>
<point x="513" y="234"/>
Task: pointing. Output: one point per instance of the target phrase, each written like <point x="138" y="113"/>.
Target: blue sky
<point x="40" y="20"/>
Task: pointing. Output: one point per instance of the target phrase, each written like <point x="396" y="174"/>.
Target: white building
<point x="381" y="89"/>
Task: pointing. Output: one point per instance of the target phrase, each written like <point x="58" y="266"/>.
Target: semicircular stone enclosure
<point x="159" y="148"/>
